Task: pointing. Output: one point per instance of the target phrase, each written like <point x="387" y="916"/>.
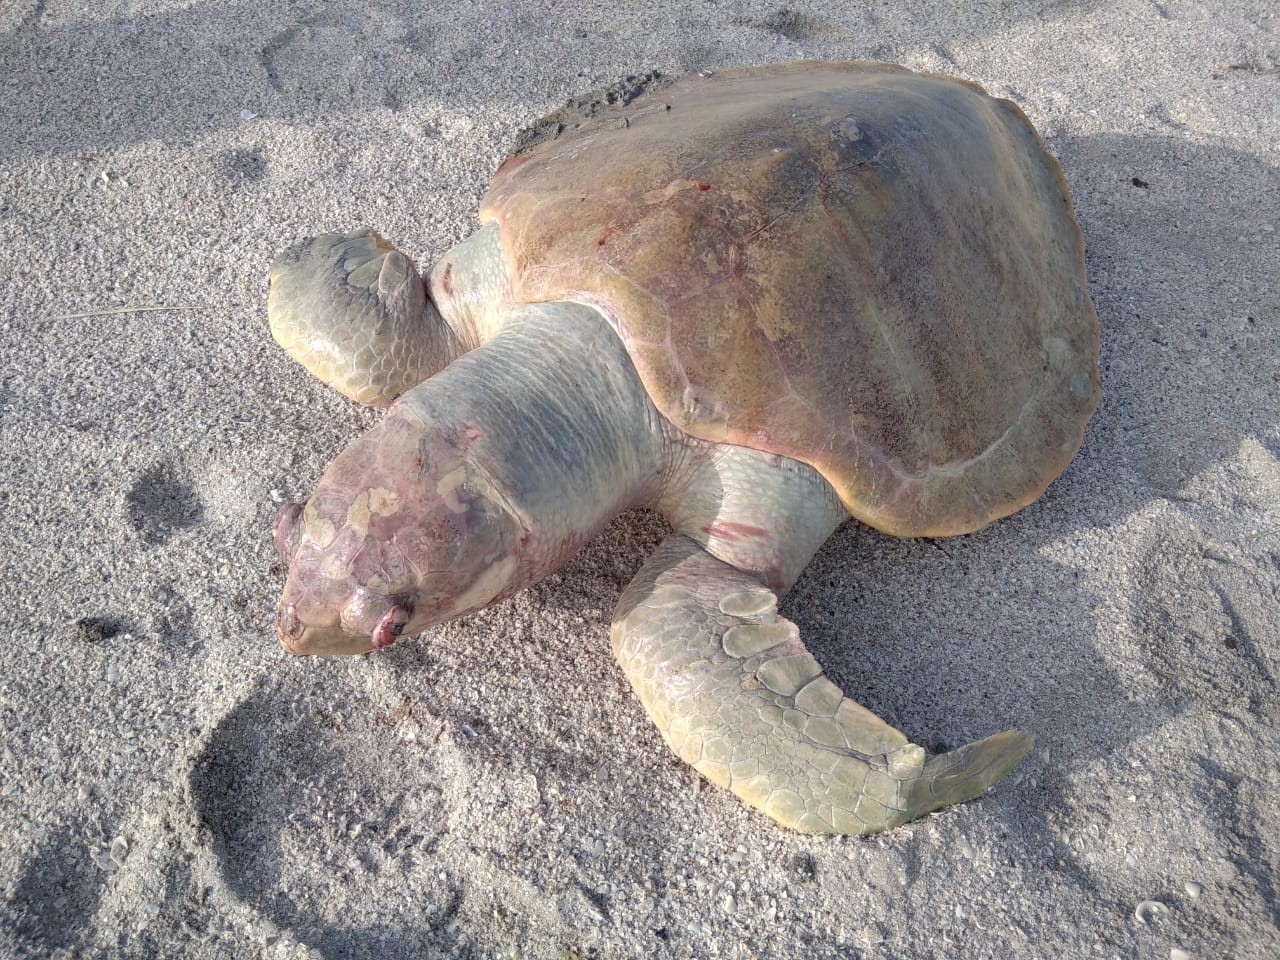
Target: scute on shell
<point x="871" y="270"/>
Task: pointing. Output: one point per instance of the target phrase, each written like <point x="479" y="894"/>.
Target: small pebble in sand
<point x="95" y="629"/>
<point x="1176" y="954"/>
<point x="1149" y="910"/>
<point x="1193" y="889"/>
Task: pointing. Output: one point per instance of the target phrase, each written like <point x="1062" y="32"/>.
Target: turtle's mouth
<point x="304" y="640"/>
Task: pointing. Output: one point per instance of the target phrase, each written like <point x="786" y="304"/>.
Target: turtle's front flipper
<point x="735" y="694"/>
<point x="353" y="310"/>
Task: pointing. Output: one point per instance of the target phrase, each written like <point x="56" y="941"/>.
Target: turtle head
<point x="402" y="532"/>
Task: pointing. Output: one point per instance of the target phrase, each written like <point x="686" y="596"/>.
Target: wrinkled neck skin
<point x="482" y="480"/>
<point x="556" y="422"/>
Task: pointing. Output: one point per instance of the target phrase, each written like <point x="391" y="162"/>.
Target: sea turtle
<point x="761" y="301"/>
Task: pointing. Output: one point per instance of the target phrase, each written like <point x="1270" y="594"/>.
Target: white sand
<point x="185" y="788"/>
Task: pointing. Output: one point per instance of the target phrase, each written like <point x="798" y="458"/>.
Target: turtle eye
<point x="391" y="626"/>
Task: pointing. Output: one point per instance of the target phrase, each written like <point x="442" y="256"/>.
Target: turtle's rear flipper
<point x="734" y="692"/>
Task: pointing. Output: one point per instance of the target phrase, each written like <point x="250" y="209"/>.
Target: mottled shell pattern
<point x="871" y="270"/>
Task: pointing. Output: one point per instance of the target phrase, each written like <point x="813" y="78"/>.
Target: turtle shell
<point x="871" y="270"/>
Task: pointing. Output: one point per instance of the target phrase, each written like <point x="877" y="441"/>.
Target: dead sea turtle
<point x="761" y="301"/>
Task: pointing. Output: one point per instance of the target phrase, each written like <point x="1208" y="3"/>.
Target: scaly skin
<point x="480" y="481"/>
<point x="734" y="692"/>
<point x="354" y="312"/>
<point x="493" y="472"/>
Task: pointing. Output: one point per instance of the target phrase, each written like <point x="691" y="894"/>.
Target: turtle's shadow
<point x="955" y="639"/>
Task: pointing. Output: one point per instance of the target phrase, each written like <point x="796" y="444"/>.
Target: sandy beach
<point x="174" y="784"/>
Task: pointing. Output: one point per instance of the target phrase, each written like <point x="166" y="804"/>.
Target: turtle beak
<point x="303" y="641"/>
